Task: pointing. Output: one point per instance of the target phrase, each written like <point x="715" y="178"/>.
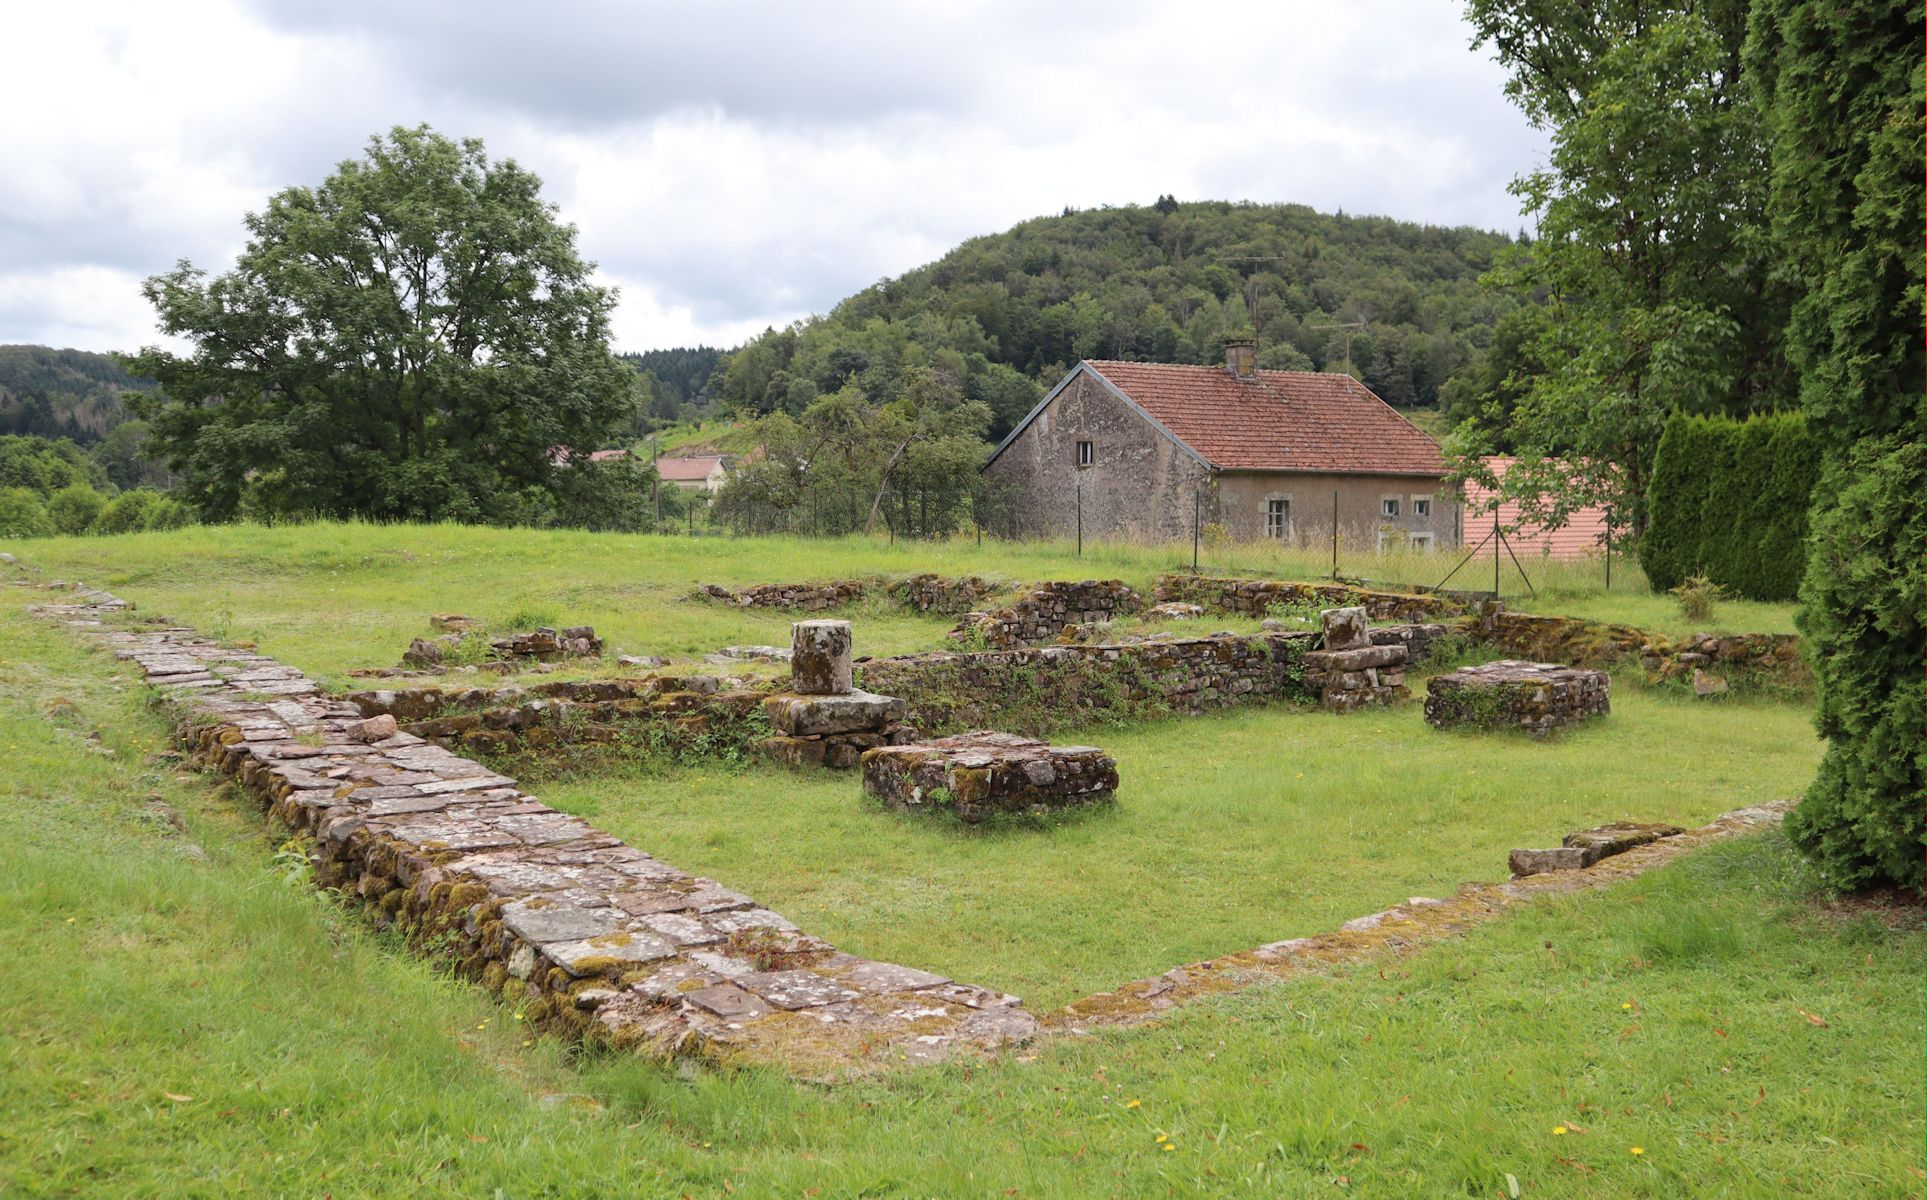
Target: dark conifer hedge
<point x="1729" y="501"/>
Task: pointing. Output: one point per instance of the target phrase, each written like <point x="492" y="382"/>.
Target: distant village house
<point x="1582" y="536"/>
<point x="694" y="473"/>
<point x="1143" y="447"/>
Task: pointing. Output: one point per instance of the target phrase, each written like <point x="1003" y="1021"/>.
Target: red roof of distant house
<point x="1581" y="537"/>
<point x="687" y="470"/>
<point x="607" y="455"/>
<point x="1276" y="420"/>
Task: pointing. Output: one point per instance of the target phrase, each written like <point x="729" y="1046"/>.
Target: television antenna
<point x="1350" y="327"/>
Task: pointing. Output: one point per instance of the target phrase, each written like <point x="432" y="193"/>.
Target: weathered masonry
<point x="1142" y="450"/>
<point x="588" y="935"/>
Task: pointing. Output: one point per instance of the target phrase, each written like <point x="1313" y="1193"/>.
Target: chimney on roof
<point x="1241" y="357"/>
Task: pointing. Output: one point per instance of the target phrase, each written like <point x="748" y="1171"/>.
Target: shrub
<point x="1862" y="821"/>
<point x="22" y="514"/>
<point x="74" y="508"/>
<point x="128" y="512"/>
<point x="1729" y="501"/>
<point x="1697" y="596"/>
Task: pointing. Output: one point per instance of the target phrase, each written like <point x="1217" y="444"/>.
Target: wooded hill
<point x="62" y="393"/>
<point x="1009" y="313"/>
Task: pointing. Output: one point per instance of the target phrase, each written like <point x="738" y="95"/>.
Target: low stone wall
<point x="1047" y="610"/>
<point x="1759" y="660"/>
<point x="1035" y="689"/>
<point x="799" y="597"/>
<point x="584" y="934"/>
<point x="1256" y="597"/>
<point x="940" y="594"/>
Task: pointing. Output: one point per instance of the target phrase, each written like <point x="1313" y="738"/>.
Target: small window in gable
<point x="1086" y="454"/>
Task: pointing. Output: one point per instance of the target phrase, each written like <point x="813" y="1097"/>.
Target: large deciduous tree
<point x="415" y="338"/>
<point x="1650" y="257"/>
<point x="1843" y="87"/>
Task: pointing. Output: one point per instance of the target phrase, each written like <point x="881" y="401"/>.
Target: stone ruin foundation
<point x="824" y="719"/>
<point x="804" y="597"/>
<point x="984" y="774"/>
<point x="1586" y="847"/>
<point x="586" y="935"/>
<point x="539" y="645"/>
<point x="1536" y="697"/>
<point x="1352" y="671"/>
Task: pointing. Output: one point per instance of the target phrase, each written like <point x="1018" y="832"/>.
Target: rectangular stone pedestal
<point x="977" y="775"/>
<point x="1536" y="697"/>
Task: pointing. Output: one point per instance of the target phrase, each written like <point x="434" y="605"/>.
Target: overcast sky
<point x="730" y="166"/>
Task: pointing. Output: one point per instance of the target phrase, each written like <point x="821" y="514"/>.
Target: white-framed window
<point x="1421" y="541"/>
<point x="1388" y="506"/>
<point x="1086" y="454"/>
<point x="1277" y="517"/>
<point x="1421" y="506"/>
<point x="1385" y="537"/>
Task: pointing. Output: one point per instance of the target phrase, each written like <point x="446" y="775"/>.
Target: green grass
<point x="330" y="597"/>
<point x="313" y="1057"/>
<point x="1230" y="831"/>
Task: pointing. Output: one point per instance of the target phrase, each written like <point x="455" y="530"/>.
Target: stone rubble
<point x="1536" y="697"/>
<point x="985" y="773"/>
<point x="586" y="934"/>
<point x="540" y="645"/>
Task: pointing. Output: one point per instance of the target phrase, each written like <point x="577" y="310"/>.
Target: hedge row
<point x="1729" y="500"/>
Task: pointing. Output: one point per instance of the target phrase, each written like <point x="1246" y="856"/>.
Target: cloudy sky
<point x="730" y="165"/>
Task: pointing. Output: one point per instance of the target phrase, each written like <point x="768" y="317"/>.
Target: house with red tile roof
<point x="695" y="472"/>
<point x="1140" y="448"/>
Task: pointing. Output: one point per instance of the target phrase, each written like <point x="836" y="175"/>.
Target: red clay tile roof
<point x="1277" y="421"/>
<point x="687" y="470"/>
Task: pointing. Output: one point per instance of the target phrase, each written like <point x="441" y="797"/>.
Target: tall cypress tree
<point x="1842" y="86"/>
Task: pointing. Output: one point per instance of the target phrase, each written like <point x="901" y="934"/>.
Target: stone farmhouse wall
<point x="1033" y="690"/>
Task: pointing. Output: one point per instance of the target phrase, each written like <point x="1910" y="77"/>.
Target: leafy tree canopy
<point x="1651" y="255"/>
<point x="415" y="338"/>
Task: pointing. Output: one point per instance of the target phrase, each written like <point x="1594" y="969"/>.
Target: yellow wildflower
<point x="1558" y="1130"/>
<point x="1132" y="1103"/>
<point x="1639" y="1149"/>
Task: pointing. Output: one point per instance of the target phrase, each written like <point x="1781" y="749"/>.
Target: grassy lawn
<point x="331" y="597"/>
<point x="1230" y="831"/>
<point x="188" y="1026"/>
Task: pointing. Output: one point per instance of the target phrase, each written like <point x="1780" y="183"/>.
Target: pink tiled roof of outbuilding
<point x="1581" y="537"/>
<point x="1277" y="420"/>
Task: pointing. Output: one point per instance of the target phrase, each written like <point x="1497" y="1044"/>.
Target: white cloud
<point x="730" y="167"/>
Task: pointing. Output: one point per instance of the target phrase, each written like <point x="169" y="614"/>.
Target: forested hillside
<point x="62" y="393"/>
<point x="1008" y="313"/>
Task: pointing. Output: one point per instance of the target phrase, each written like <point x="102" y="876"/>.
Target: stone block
<point x="821" y="660"/>
<point x="1345" y="628"/>
<point x="980" y="774"/>
<point x="1604" y="841"/>
<point x="817" y="715"/>
<point x="1357" y="659"/>
<point x="1538" y="862"/>
<point x="1536" y="697"/>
